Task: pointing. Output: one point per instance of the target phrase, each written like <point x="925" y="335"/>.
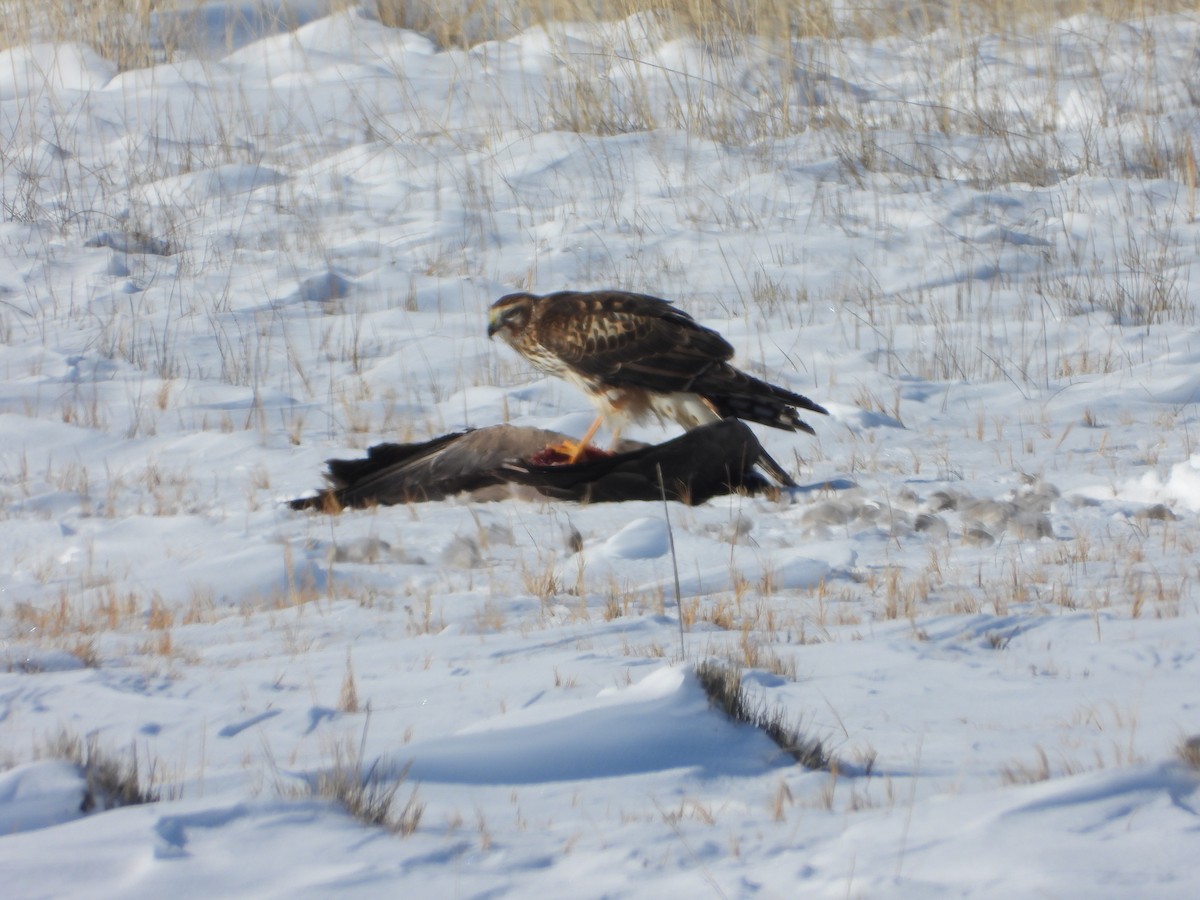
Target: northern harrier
<point x="633" y="355"/>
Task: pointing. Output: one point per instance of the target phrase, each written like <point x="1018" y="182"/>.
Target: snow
<point x="590" y="740"/>
<point x="978" y="252"/>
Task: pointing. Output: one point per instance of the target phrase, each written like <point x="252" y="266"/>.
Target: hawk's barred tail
<point x="750" y="399"/>
<point x="763" y="410"/>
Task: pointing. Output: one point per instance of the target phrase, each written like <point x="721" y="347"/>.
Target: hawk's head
<point x="510" y="314"/>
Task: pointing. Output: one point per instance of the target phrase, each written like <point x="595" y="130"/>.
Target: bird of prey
<point x="634" y="355"/>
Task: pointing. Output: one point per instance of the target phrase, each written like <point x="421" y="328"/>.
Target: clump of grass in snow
<point x="723" y="685"/>
<point x="370" y="796"/>
<point x="111" y="780"/>
<point x="1189" y="751"/>
<point x="1026" y="773"/>
<point x="348" y="695"/>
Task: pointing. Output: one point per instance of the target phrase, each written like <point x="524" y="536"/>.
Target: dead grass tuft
<point x="1028" y="773"/>
<point x="348" y="696"/>
<point x="370" y="796"/>
<point x="111" y="781"/>
<point x="722" y="684"/>
<point x="1189" y="751"/>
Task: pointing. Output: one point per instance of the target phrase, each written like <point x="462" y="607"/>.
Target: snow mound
<point x="664" y="722"/>
<point x="644" y="538"/>
<point x="39" y="795"/>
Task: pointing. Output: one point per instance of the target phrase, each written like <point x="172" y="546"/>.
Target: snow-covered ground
<point x="981" y="253"/>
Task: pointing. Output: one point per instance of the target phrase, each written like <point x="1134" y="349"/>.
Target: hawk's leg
<point x="574" y="450"/>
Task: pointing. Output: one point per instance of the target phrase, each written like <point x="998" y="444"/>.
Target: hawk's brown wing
<point x="627" y="340"/>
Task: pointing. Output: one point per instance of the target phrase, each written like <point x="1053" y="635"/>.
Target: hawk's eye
<point x="514" y="317"/>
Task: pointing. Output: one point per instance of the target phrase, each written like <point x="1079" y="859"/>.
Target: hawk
<point x="634" y="355"/>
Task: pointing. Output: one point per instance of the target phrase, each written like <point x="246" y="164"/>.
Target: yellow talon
<point x="582" y="444"/>
<point x="572" y="450"/>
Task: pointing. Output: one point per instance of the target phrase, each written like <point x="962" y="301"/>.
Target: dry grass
<point x="138" y="33"/>
<point x="723" y="685"/>
<point x="111" y="780"/>
<point x="348" y="695"/>
<point x="369" y="796"/>
<point x="77" y="618"/>
<point x="1028" y="773"/>
<point x="463" y="23"/>
<point x="1189" y="751"/>
<point x="118" y="30"/>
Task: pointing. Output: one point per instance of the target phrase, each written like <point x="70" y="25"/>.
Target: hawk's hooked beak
<point x="494" y="324"/>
